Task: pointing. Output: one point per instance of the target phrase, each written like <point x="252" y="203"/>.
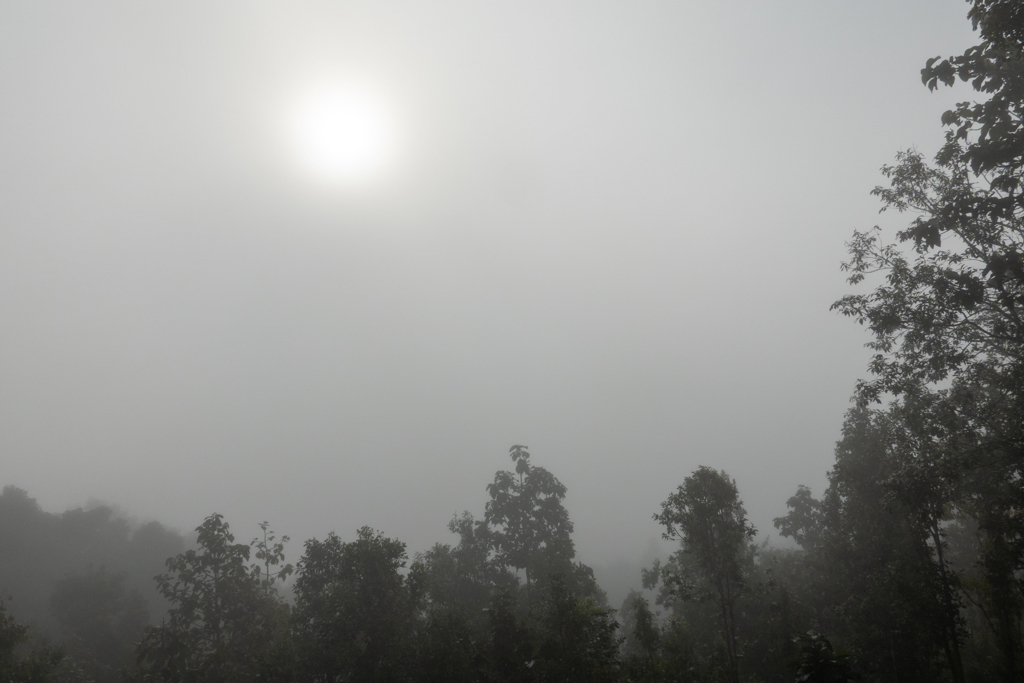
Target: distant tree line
<point x="83" y="578"/>
<point x="909" y="567"/>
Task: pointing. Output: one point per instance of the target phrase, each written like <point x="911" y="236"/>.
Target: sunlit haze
<point x="323" y="263"/>
<point x="341" y="135"/>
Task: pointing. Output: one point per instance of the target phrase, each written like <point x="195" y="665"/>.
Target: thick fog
<point x="609" y="231"/>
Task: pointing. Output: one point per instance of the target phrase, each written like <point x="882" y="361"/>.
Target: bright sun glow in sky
<point x="341" y="135"/>
<point x="327" y="264"/>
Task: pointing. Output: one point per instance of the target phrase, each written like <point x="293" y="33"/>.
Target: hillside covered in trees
<point x="907" y="568"/>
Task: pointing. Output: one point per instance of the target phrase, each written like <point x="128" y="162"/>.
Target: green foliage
<point x="11" y="635"/>
<point x="804" y="521"/>
<point x="657" y="650"/>
<point x="553" y="628"/>
<point x="642" y="640"/>
<point x="948" y="333"/>
<point x="271" y="551"/>
<point x="449" y="648"/>
<point x="878" y="579"/>
<point x="354" y="611"/>
<point x="528" y="526"/>
<point x="707" y="517"/>
<point x="577" y="641"/>
<point x="221" y="622"/>
<point x="510" y="656"/>
<point x="642" y="636"/>
<point x="458" y="584"/>
<point x="463" y="577"/>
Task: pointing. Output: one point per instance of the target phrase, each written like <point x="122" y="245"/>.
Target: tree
<point x="875" y="546"/>
<point x="271" y="551"/>
<point x="511" y="651"/>
<point x="458" y="585"/>
<point x="956" y="306"/>
<point x="922" y="436"/>
<point x="804" y="522"/>
<point x="100" y="621"/>
<point x="40" y="548"/>
<point x="463" y="577"/>
<point x="707" y="517"/>
<point x="221" y="620"/>
<point x="577" y="641"/>
<point x="529" y="528"/>
<point x="946" y="318"/>
<point x="37" y="666"/>
<point x="643" y="646"/>
<point x="642" y="634"/>
<point x="355" y="613"/>
<point x="448" y="648"/>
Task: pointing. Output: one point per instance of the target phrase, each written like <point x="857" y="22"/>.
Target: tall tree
<point x="706" y="515"/>
<point x="947" y="317"/>
<point x="221" y="620"/>
<point x="529" y="528"/>
<point x="922" y="437"/>
<point x="878" y="582"/>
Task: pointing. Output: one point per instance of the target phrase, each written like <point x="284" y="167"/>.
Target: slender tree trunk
<point x="216" y="619"/>
<point x="1007" y="642"/>
<point x="728" y="632"/>
<point x="725" y="602"/>
<point x="952" y="638"/>
<point x="892" y="659"/>
<point x="731" y="634"/>
<point x="1005" y="601"/>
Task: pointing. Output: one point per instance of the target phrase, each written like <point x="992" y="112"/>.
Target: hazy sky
<point x="608" y="231"/>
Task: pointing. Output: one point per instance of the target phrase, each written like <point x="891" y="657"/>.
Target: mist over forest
<point x="381" y="343"/>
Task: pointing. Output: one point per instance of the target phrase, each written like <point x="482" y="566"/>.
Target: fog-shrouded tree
<point x="952" y="283"/>
<point x="100" y="620"/>
<point x="221" y="622"/>
<point x="41" y="548"/>
<point x="511" y="650"/>
<point x="464" y="577"/>
<point x="577" y="641"/>
<point x="946" y="310"/>
<point x="449" y="648"/>
<point x="40" y="665"/>
<point x="528" y="527"/>
<point x="355" y="613"/>
<point x="270" y="566"/>
<point x="706" y="516"/>
<point x="643" y="657"/>
<point x="928" y="459"/>
<point x="459" y="585"/>
<point x="881" y="579"/>
<point x="659" y="650"/>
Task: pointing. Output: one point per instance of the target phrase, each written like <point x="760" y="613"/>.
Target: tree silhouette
<point x="707" y="517"/>
<point x="528" y="525"/>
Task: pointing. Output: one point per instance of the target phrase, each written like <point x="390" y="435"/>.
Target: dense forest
<point x="908" y="567"/>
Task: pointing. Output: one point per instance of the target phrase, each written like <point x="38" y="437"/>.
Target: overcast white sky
<point x="609" y="231"/>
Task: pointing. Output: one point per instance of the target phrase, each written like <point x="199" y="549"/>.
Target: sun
<point x="341" y="135"/>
